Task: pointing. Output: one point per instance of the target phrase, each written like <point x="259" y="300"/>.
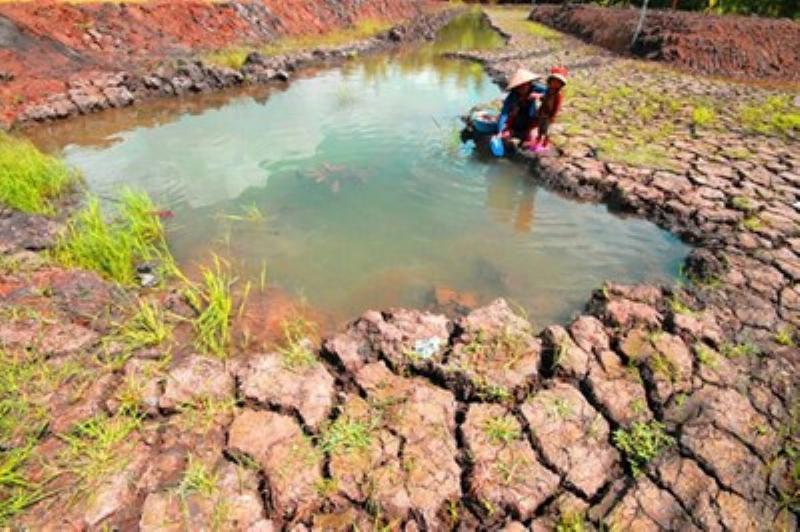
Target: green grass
<point x="114" y="246"/>
<point x="197" y="479"/>
<point x="640" y="154"/>
<point x="744" y="349"/>
<point x="362" y="30"/>
<point x="775" y="116"/>
<point x="572" y="522"/>
<point x="147" y="328"/>
<point x="785" y="336"/>
<point x="642" y="443"/>
<point x="705" y="356"/>
<point x="213" y="300"/>
<point x="95" y="449"/>
<point x="346" y="436"/>
<point x="703" y="116"/>
<point x="298" y="333"/>
<point x="743" y="203"/>
<point x="31" y="181"/>
<point x="502" y="430"/>
<point x="17" y="493"/>
<point x="229" y="57"/>
<point x="752" y="223"/>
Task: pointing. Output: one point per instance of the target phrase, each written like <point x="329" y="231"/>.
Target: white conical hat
<point x="520" y="77"/>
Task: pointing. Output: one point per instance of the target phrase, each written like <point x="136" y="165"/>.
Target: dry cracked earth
<point x="659" y="408"/>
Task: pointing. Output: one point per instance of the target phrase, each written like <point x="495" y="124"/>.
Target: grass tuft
<point x="346" y="436"/>
<point x="214" y="302"/>
<point x="31" y="181"/>
<point x="147" y="328"/>
<point x="703" y="116"/>
<point x="776" y="116"/>
<point x="298" y="336"/>
<point x="197" y="479"/>
<point x="642" y="443"/>
<point x="502" y="430"/>
<point x="115" y="247"/>
<point x="229" y="57"/>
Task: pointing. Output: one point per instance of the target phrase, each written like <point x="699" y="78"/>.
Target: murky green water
<point x="352" y="188"/>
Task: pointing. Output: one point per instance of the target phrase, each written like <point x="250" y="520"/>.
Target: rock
<point x="664" y="359"/>
<point x="495" y="357"/>
<point x="703" y="266"/>
<point x="20" y="232"/>
<point x="618" y="388"/>
<point x="646" y="507"/>
<point x="196" y="378"/>
<point x="572" y="436"/>
<point x="118" y="96"/>
<point x="589" y="334"/>
<point x="423" y="415"/>
<point x="562" y="356"/>
<point x="83" y="295"/>
<point x="88" y="100"/>
<point x="505" y="472"/>
<point x="272" y="381"/>
<point x="734" y="466"/>
<point x="290" y="462"/>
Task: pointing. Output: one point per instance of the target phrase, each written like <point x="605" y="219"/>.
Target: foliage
<point x="346" y="435"/>
<point x="777" y="115"/>
<point x="213" y="300"/>
<point x="298" y="336"/>
<point x="767" y="8"/>
<point x="703" y="116"/>
<point x="197" y="479"/>
<point x="16" y="492"/>
<point x="31" y="181"/>
<point x="642" y="443"/>
<point x="115" y="247"/>
<point x="229" y="57"/>
<point x="502" y="430"/>
<point x="364" y="29"/>
<point x="147" y="328"/>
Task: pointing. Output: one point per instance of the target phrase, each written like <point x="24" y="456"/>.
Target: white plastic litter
<point x="428" y="347"/>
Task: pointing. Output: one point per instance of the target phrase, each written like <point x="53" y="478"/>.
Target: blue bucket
<point x="498" y="146"/>
<point x="484" y="123"/>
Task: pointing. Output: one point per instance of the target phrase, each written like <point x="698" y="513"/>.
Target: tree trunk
<point x="674" y="5"/>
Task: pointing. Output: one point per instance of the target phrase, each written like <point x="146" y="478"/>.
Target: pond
<point x="352" y="187"/>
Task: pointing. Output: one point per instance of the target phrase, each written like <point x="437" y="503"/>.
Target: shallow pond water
<point x="353" y="189"/>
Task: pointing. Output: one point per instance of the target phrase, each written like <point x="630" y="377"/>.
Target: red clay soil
<point x="730" y="46"/>
<point x="44" y="44"/>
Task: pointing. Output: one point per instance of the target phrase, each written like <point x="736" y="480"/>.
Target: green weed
<point x="296" y="352"/>
<point x="114" y="247"/>
<point x="502" y="430"/>
<point x="345" y="436"/>
<point x="642" y="443"/>
<point x="777" y="115"/>
<point x="705" y="356"/>
<point x="703" y="116"/>
<point x="752" y="223"/>
<point x="94" y="448"/>
<point x="202" y="414"/>
<point x="197" y="479"/>
<point x="326" y="487"/>
<point x="147" y="328"/>
<point x="31" y="181"/>
<point x="641" y="154"/>
<point x="362" y="30"/>
<point x="560" y="407"/>
<point x="17" y="493"/>
<point x="785" y="336"/>
<point x="213" y="300"/>
<point x="229" y="57"/>
<point x="744" y="349"/>
<point x="679" y="307"/>
<point x="572" y="522"/>
<point x="513" y="471"/>
<point x="743" y="203"/>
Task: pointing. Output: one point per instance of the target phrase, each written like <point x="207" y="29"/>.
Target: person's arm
<point x="557" y="107"/>
<point x="502" y="121"/>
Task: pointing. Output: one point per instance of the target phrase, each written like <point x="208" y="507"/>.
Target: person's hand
<point x="505" y="134"/>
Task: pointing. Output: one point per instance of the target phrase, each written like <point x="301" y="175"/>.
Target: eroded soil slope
<point x="45" y="45"/>
<point x="732" y="46"/>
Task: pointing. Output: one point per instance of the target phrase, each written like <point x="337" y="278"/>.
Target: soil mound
<point x="731" y="46"/>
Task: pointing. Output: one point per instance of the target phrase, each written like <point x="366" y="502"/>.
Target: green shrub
<point x="703" y="116"/>
<point x="113" y="247"/>
<point x="642" y="443"/>
<point x="31" y="181"/>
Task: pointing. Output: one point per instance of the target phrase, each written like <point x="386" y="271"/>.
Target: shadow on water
<point x="351" y="185"/>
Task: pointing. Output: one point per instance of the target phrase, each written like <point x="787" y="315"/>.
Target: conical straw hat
<point x="520" y="77"/>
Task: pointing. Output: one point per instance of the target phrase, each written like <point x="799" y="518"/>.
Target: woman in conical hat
<point x="518" y="100"/>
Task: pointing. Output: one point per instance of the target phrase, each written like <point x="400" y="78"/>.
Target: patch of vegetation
<point x="703" y="116"/>
<point x="213" y="300"/>
<point x="679" y="307"/>
<point x="115" y="247"/>
<point x="739" y="153"/>
<point x="642" y="443"/>
<point x="229" y="57"/>
<point x="743" y="203"/>
<point x="540" y="30"/>
<point x="740" y="350"/>
<point x="346" y="436"/>
<point x="17" y="493"/>
<point x="752" y="223"/>
<point x="572" y="522"/>
<point x="513" y="471"/>
<point x="204" y="412"/>
<point x="95" y="449"/>
<point x="560" y="407"/>
<point x="298" y="336"/>
<point x="776" y="116"/>
<point x="663" y="366"/>
<point x="705" y="356"/>
<point x="197" y="479"/>
<point x="362" y="30"/>
<point x="785" y="336"/>
<point x="147" y="328"/>
<point x="644" y="154"/>
<point x="502" y="429"/>
<point x="31" y="181"/>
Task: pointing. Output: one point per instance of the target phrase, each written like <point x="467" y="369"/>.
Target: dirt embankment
<point x="731" y="46"/>
<point x="46" y="46"/>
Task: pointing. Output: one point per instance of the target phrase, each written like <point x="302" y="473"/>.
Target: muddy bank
<point x="62" y="59"/>
<point x="729" y="46"/>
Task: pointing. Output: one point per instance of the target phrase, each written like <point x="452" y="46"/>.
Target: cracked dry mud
<point x="496" y="427"/>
